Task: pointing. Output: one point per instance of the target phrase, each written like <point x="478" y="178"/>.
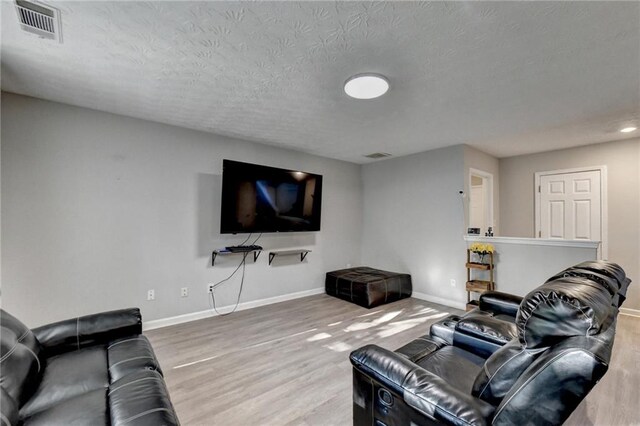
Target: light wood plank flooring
<point x="288" y="363"/>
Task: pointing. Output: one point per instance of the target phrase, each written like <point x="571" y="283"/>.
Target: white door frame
<point x="488" y="190"/>
<point x="604" y="215"/>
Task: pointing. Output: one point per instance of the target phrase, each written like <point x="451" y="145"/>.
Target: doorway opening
<point x="480" y="200"/>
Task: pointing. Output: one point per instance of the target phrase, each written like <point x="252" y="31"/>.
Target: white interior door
<point x="570" y="206"/>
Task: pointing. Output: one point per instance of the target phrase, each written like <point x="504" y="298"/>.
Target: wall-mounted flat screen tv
<point x="258" y="198"/>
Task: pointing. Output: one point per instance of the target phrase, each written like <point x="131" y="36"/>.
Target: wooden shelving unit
<point x="477" y="285"/>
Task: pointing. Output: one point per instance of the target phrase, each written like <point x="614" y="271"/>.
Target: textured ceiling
<point x="505" y="77"/>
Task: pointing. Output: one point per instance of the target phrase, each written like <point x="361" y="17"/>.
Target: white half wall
<point x="523" y="264"/>
<point x="413" y="221"/>
<point x="99" y="208"/>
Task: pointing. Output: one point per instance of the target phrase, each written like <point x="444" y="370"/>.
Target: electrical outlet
<point x="210" y="288"/>
<point x="452" y="282"/>
<point x="184" y="292"/>
<point x="151" y="295"/>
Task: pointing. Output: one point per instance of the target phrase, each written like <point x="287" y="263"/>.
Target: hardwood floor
<point x="288" y="363"/>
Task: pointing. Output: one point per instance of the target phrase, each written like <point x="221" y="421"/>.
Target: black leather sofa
<point x="93" y="370"/>
<point x="504" y="363"/>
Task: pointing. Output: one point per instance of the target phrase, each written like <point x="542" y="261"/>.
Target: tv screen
<point x="266" y="199"/>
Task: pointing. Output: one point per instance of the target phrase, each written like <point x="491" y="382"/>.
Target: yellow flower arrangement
<point x="481" y="248"/>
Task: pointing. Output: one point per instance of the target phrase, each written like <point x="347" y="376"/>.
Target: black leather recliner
<point x="93" y="370"/>
<point x="562" y="338"/>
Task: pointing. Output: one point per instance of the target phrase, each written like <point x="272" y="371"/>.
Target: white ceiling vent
<point x="377" y="155"/>
<point x="39" y="19"/>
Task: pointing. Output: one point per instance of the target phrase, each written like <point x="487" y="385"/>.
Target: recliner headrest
<point x="568" y="306"/>
<point x="604" y="267"/>
<point x="606" y="281"/>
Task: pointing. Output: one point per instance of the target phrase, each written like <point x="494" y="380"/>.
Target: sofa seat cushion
<point x="142" y="397"/>
<point x="456" y="366"/>
<point x="88" y="409"/>
<point x="130" y="355"/>
<point x="67" y="376"/>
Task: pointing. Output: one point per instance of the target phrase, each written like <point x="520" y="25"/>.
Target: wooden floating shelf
<point x="302" y="252"/>
<point x="221" y="252"/>
<point x="483" y="266"/>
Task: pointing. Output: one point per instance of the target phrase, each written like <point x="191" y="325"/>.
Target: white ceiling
<point x="505" y="77"/>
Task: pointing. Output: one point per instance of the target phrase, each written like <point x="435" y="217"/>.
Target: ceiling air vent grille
<point x="35" y="18"/>
<point x="377" y="155"/>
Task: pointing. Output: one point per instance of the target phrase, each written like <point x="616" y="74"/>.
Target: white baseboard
<point x="630" y="312"/>
<point x="439" y="300"/>
<point x="193" y="316"/>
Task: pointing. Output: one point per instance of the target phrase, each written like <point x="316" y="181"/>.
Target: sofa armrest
<point x="89" y="330"/>
<point x="500" y="303"/>
<point x="421" y="389"/>
<point x="483" y="334"/>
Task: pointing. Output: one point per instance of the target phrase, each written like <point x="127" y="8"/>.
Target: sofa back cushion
<point x="610" y="269"/>
<point x="610" y="284"/>
<point x="565" y="307"/>
<point x="501" y="370"/>
<point x="21" y="365"/>
<point x="550" y="389"/>
<point x="9" y="409"/>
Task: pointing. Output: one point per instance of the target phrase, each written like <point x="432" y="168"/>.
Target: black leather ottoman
<point x="368" y="287"/>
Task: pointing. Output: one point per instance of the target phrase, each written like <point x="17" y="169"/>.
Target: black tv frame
<point x="228" y="194"/>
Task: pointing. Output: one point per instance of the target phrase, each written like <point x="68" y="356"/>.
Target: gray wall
<point x="413" y="220"/>
<point x="623" y="172"/>
<point x="99" y="208"/>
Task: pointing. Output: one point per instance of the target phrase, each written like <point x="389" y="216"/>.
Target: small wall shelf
<point x="475" y="285"/>
<point x="223" y="252"/>
<point x="303" y="253"/>
<point x="482" y="266"/>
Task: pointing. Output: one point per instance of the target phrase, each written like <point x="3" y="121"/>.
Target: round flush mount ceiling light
<point x="366" y="86"/>
<point x="628" y="129"/>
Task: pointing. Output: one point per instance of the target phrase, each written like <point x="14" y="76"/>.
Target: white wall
<point x="413" y="221"/>
<point x="99" y="208"/>
<point x="622" y="159"/>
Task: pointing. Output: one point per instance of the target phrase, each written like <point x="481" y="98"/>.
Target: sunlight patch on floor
<point x="195" y="362"/>
<point x="339" y="347"/>
<point x="368" y="314"/>
<point x="319" y="336"/>
<point x="365" y="325"/>
<point x="400" y="326"/>
<point x="425" y="311"/>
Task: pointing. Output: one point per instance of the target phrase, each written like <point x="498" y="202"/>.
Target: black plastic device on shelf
<point x="242" y="249"/>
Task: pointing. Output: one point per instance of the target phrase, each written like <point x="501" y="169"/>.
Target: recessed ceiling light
<point x="628" y="129"/>
<point x="366" y="86"/>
